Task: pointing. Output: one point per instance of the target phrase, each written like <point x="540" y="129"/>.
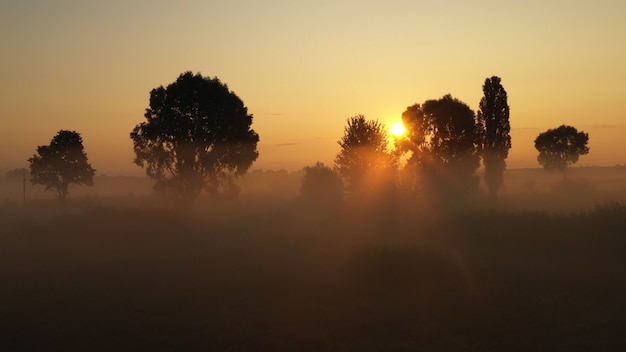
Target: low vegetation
<point x="251" y="275"/>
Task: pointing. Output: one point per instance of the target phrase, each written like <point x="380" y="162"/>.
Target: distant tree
<point x="16" y="179"/>
<point x="442" y="138"/>
<point x="197" y="136"/>
<point x="322" y="184"/>
<point x="61" y="163"/>
<point x="18" y="174"/>
<point x="364" y="151"/>
<point x="560" y="147"/>
<point x="495" y="141"/>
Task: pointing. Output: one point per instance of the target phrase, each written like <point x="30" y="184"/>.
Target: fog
<point x="119" y="268"/>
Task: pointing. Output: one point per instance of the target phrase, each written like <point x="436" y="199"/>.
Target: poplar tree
<point x="495" y="140"/>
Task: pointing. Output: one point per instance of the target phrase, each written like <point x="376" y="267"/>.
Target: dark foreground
<point x="342" y="280"/>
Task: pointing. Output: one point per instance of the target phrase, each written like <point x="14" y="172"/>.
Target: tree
<point x="17" y="174"/>
<point x="495" y="141"/>
<point x="61" y="163"/>
<point x="560" y="147"/>
<point x="442" y="137"/>
<point x="364" y="152"/>
<point x="16" y="177"/>
<point x="321" y="184"/>
<point x="197" y="136"/>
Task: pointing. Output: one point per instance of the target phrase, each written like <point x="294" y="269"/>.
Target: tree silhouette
<point x="364" y="152"/>
<point x="495" y="141"/>
<point x="321" y="184"/>
<point x="560" y="147"/>
<point x="17" y="174"/>
<point x="197" y="135"/>
<point x="442" y="137"/>
<point x="61" y="163"/>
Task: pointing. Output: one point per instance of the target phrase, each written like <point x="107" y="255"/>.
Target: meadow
<point x="275" y="273"/>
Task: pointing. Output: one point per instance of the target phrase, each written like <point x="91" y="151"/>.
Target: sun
<point x="397" y="129"/>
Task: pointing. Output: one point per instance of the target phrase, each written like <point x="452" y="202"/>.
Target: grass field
<point x="288" y="277"/>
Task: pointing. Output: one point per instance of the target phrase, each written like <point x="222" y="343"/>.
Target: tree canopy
<point x="364" y="151"/>
<point x="321" y="184"/>
<point x="442" y="137"/>
<point x="495" y="141"/>
<point x="197" y="135"/>
<point x="17" y="174"/>
<point x="560" y="147"/>
<point x="61" y="163"/>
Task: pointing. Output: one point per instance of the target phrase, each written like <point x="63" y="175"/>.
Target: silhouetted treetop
<point x="442" y="137"/>
<point x="560" y="147"/>
<point x="321" y="184"/>
<point x="61" y="163"/>
<point x="197" y="134"/>
<point x="364" y="150"/>
<point x="495" y="141"/>
<point x="19" y="173"/>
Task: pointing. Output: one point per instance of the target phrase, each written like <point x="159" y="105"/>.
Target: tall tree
<point x="495" y="141"/>
<point x="560" y="147"/>
<point x="442" y="137"/>
<point x="364" y="152"/>
<point x="197" y="135"/>
<point x="62" y="163"/>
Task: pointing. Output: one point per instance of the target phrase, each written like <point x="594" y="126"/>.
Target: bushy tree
<point x="442" y="137"/>
<point x="364" y="152"/>
<point x="560" y="147"/>
<point x="495" y="141"/>
<point x="321" y="184"/>
<point x="62" y="163"/>
<point x="197" y="135"/>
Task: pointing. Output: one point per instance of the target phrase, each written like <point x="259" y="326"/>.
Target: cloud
<point x="328" y="138"/>
<point x="583" y="126"/>
<point x="608" y="126"/>
<point x="285" y="144"/>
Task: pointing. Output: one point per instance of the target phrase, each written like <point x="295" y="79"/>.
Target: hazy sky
<point x="303" y="67"/>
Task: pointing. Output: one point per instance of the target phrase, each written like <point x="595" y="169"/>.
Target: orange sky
<point x="303" y="68"/>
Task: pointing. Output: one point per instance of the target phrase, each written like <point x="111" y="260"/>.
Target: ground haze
<point x="540" y="268"/>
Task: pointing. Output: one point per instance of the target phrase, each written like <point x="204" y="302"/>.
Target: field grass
<point x="295" y="278"/>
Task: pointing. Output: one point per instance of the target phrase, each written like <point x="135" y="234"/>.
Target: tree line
<point x="197" y="136"/>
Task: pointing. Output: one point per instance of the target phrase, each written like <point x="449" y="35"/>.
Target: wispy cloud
<point x="608" y="126"/>
<point x="327" y="138"/>
<point x="285" y="144"/>
<point x="583" y="126"/>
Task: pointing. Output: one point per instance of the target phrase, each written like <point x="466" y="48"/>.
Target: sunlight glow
<point x="397" y="129"/>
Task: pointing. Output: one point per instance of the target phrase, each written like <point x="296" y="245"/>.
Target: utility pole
<point x="24" y="188"/>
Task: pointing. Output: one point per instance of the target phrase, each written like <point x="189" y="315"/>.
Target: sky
<point x="304" y="67"/>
